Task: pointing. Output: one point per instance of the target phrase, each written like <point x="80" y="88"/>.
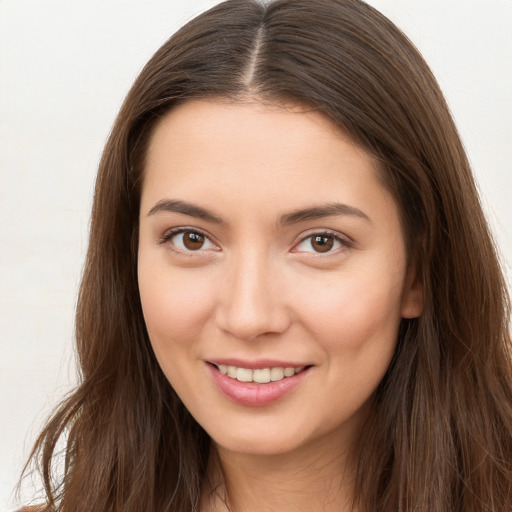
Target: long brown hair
<point x="440" y="436"/>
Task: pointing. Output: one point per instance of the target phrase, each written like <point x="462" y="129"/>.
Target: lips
<point x="256" y="384"/>
<point x="259" y="375"/>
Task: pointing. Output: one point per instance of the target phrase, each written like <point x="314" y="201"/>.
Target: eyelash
<point x="344" y="242"/>
<point x="341" y="240"/>
<point x="168" y="235"/>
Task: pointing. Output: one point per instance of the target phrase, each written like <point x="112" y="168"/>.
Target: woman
<point x="291" y="299"/>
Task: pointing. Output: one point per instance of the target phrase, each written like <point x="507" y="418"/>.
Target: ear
<point x="412" y="300"/>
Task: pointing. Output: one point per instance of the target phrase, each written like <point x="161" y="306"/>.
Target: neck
<point x="310" y="479"/>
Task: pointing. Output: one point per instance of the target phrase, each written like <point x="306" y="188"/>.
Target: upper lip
<point x="256" y="364"/>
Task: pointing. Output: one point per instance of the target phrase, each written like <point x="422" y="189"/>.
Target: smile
<point x="260" y="375"/>
<point x="255" y="387"/>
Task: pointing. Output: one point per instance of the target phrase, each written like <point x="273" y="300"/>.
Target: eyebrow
<point x="176" y="206"/>
<point x="312" y="213"/>
<point x="319" y="212"/>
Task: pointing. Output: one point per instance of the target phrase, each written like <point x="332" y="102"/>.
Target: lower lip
<point x="251" y="393"/>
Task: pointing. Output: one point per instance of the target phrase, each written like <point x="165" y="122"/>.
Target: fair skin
<point x="270" y="250"/>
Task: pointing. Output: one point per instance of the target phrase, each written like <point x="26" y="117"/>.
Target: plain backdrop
<point x="65" y="67"/>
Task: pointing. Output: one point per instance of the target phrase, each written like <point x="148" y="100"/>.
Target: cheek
<point x="353" y="311"/>
<point x="175" y="305"/>
<point x="355" y="324"/>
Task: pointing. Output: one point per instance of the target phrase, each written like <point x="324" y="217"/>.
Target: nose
<point x="251" y="299"/>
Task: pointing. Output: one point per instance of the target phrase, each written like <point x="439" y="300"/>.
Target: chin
<point x="257" y="446"/>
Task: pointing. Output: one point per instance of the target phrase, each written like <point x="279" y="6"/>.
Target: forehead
<point x="254" y="157"/>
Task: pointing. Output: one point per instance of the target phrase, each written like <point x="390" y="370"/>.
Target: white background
<point x="65" y="67"/>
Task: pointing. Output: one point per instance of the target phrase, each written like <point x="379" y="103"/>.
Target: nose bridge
<point x="251" y="304"/>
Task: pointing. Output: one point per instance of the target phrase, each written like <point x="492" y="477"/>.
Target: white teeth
<point x="260" y="375"/>
<point x="276" y="374"/>
<point x="288" y="372"/>
<point x="244" y="374"/>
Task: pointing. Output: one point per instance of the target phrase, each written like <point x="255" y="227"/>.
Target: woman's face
<point x="272" y="271"/>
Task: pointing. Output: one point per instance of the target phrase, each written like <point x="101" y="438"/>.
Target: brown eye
<point x="322" y="243"/>
<point x="184" y="241"/>
<point x="193" y="241"/>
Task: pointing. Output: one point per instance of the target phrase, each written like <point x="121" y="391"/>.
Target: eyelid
<point x="172" y="232"/>
<point x="345" y="241"/>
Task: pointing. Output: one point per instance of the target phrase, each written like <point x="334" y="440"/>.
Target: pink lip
<point x="251" y="393"/>
<point x="256" y="365"/>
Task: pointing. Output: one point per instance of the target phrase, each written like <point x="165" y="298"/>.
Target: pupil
<point x="322" y="243"/>
<point x="193" y="241"/>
